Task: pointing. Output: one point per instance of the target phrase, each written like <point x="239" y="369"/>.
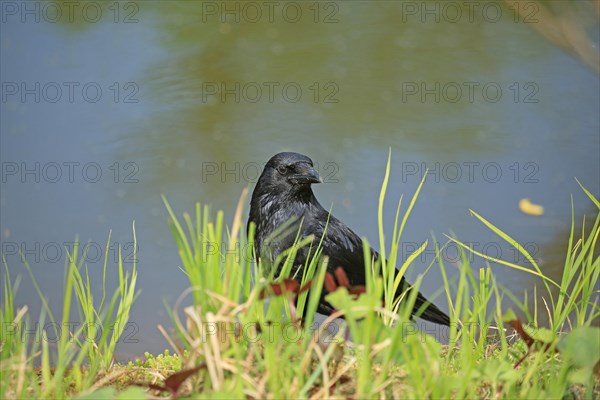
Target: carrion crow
<point x="282" y="194"/>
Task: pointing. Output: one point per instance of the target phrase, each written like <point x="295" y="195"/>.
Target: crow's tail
<point x="424" y="308"/>
<point x="429" y="312"/>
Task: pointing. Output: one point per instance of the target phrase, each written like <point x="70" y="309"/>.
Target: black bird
<point x="283" y="193"/>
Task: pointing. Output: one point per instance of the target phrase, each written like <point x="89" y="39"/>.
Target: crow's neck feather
<point x="285" y="205"/>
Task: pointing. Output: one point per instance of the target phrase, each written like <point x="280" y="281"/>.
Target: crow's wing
<point x="345" y="249"/>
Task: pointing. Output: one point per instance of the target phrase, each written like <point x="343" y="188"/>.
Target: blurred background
<point x="107" y="105"/>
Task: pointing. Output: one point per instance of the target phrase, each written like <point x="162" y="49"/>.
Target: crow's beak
<point x="307" y="176"/>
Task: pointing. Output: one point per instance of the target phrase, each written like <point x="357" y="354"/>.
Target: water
<point x="166" y="98"/>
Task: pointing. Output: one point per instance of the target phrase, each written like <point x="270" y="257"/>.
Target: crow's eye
<point x="282" y="169"/>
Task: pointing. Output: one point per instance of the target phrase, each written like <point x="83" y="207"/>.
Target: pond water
<point x="108" y="105"/>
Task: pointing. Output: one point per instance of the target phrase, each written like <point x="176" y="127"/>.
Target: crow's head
<point x="288" y="172"/>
